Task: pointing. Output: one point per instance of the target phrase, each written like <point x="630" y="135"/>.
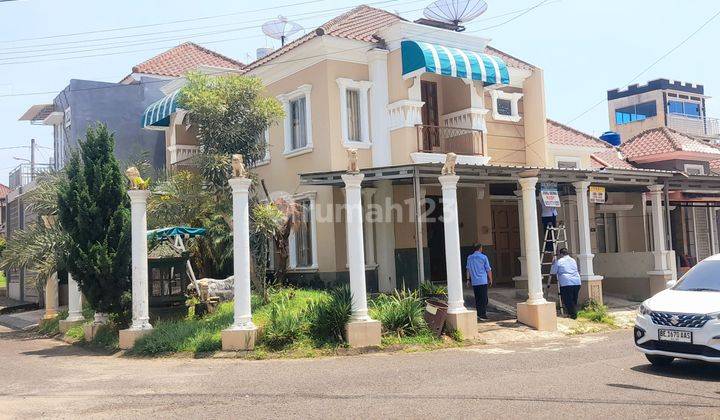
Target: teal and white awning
<point x="158" y="113"/>
<point x="449" y="61"/>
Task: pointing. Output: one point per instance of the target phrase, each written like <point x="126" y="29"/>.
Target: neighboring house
<point x="661" y="103"/>
<point x="403" y="95"/>
<point x="4" y="190"/>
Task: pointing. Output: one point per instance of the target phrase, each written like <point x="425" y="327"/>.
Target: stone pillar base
<point x="465" y="322"/>
<point x="65" y="324"/>
<point x="128" y="337"/>
<point x="91" y="330"/>
<point x="239" y="339"/>
<point x="658" y="281"/>
<point x="363" y="333"/>
<point x="521" y="287"/>
<point x="591" y="289"/>
<point x="542" y="316"/>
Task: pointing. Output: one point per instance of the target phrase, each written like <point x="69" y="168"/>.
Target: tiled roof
<point x="715" y="166"/>
<point x="361" y="24"/>
<point x="4" y="190"/>
<point x="664" y="140"/>
<point x="177" y="61"/>
<point x="610" y="158"/>
<point x="561" y="134"/>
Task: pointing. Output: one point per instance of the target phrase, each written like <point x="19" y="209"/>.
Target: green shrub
<point x="429" y="289"/>
<point x="106" y="337"/>
<point x="285" y="325"/>
<point x="328" y="316"/>
<point x="52" y="326"/>
<point x="596" y="312"/>
<point x="76" y="332"/>
<point x="401" y="313"/>
<point x="456" y="335"/>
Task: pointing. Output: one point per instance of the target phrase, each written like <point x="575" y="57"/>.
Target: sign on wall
<point x="549" y="195"/>
<point x="597" y="194"/>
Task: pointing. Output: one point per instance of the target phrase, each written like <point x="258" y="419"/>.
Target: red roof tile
<point x="664" y="140"/>
<point x="561" y="134"/>
<point x="4" y="190"/>
<point x="361" y="24"/>
<point x="177" y="61"/>
<point x="610" y="158"/>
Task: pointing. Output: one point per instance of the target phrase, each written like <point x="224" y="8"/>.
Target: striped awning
<point x="449" y="61"/>
<point x="158" y="113"/>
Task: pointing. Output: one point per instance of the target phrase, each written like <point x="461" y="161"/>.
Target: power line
<point x="269" y="64"/>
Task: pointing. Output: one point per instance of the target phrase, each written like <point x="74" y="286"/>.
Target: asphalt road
<point x="592" y="376"/>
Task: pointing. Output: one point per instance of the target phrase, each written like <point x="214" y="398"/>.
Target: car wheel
<point x="658" y="360"/>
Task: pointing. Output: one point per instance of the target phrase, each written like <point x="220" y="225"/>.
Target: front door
<point x="435" y="238"/>
<point x="506" y="237"/>
<point x="430" y="115"/>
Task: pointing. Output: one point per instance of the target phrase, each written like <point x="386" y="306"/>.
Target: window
<point x="265" y="138"/>
<point x="303" y="240"/>
<point x="686" y="109"/>
<point x="694" y="169"/>
<point x="298" y="127"/>
<point x="606" y="232"/>
<point x="505" y="105"/>
<point x="638" y="112"/>
<point x="354" y="116"/>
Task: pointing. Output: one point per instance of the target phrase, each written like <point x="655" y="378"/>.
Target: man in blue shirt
<point x="479" y="274"/>
<point x="566" y="270"/>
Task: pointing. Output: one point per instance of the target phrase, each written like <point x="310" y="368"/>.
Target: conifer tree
<point x="94" y="210"/>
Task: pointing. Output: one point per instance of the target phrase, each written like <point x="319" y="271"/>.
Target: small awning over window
<point x="453" y="62"/>
<point x="158" y="113"/>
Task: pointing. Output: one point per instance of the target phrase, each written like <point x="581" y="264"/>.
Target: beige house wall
<point x="628" y="130"/>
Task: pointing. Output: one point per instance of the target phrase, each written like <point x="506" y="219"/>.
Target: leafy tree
<point x="94" y="210"/>
<point x="266" y="220"/>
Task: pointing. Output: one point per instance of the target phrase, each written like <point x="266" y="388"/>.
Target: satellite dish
<point x="281" y="29"/>
<point x="455" y="12"/>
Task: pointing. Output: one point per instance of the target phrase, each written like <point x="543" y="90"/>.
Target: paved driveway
<point x="588" y="376"/>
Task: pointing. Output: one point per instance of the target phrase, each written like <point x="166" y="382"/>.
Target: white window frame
<point x="687" y="166"/>
<point x="514" y="98"/>
<point x="266" y="159"/>
<point x="285" y="99"/>
<point x="618" y="230"/>
<point x="362" y="87"/>
<point x="573" y="159"/>
<point x="312" y="197"/>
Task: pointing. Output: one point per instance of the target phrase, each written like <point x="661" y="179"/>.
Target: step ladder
<point x="555" y="240"/>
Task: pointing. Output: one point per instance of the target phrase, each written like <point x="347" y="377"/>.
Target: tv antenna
<point x="281" y="29"/>
<point x="455" y="12"/>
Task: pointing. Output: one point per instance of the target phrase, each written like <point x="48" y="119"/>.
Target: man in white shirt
<point x="566" y="270"/>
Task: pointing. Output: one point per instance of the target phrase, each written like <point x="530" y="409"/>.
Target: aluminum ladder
<point x="555" y="240"/>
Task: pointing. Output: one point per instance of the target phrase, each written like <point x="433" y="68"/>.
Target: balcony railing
<point x="706" y="127"/>
<point x="458" y="140"/>
<point x="25" y="173"/>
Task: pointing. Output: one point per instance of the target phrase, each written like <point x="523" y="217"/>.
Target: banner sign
<point x="597" y="194"/>
<point x="550" y="196"/>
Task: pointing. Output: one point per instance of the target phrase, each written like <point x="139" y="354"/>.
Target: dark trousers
<point x="569" y="295"/>
<point x="481" y="300"/>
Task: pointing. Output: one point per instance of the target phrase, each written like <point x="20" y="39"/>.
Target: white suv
<point x="684" y="320"/>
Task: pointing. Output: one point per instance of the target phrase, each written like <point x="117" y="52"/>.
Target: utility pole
<point x="32" y="159"/>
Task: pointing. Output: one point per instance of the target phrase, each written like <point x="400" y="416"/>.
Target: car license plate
<point x="675" y="335"/>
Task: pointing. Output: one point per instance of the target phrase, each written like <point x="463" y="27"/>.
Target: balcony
<point x="26" y="173"/>
<point x="694" y="126"/>
<point x="434" y="142"/>
<point x="181" y="155"/>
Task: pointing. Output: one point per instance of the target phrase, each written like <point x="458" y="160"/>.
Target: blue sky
<point x="585" y="47"/>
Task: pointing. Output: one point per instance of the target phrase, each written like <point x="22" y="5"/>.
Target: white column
<point x="658" y="223"/>
<point x="532" y="241"/>
<point x="521" y="229"/>
<point x="452" y="243"/>
<point x="355" y="247"/>
<point x="585" y="258"/>
<point x="51" y="297"/>
<point x="140" y="306"/>
<point x="241" y="254"/>
<point x="74" y="300"/>
<point x="379" y="99"/>
<point x="368" y="227"/>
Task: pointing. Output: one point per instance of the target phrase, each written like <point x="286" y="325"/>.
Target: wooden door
<point x="436" y="239"/>
<point x="430" y="115"/>
<point x="506" y="238"/>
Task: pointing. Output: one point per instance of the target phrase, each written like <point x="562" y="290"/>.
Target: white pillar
<point x="658" y="223"/>
<point x="532" y="241"/>
<point x="74" y="300"/>
<point x="138" y="213"/>
<point x="379" y="99"/>
<point x="51" y="297"/>
<point x="585" y="258"/>
<point x="385" y="238"/>
<point x="452" y="243"/>
<point x="368" y="227"/>
<point x="521" y="228"/>
<point x="241" y="253"/>
<point x="355" y="246"/>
